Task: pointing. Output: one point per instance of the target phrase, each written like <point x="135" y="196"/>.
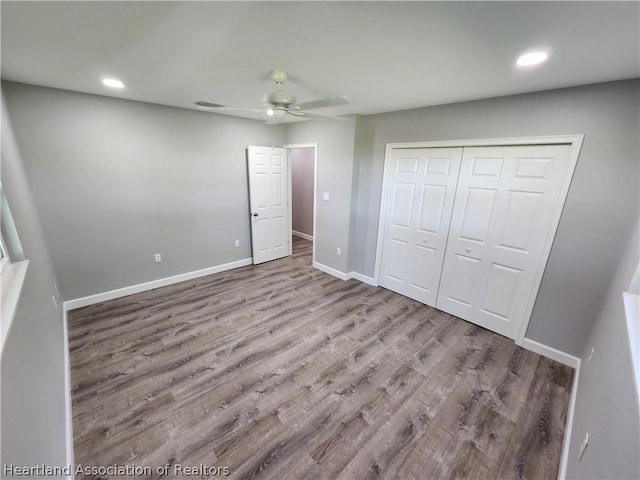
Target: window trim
<point x="13" y="277"/>
<point x="4" y="261"/>
<point x="13" y="273"/>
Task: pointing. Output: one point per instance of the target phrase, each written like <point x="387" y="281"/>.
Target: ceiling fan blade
<point x="327" y="102"/>
<point x="212" y="107"/>
<point x="315" y="115"/>
<point x="202" y="103"/>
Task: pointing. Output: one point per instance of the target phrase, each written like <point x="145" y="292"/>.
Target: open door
<point x="269" y="202"/>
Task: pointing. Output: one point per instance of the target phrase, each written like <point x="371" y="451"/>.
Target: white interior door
<point x="269" y="201"/>
<point x="502" y="217"/>
<point x="420" y="189"/>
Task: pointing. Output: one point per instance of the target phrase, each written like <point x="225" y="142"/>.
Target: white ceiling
<point x="384" y="56"/>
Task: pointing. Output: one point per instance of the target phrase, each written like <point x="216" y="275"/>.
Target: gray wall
<point x="32" y="368"/>
<point x="607" y="401"/>
<point x="600" y="210"/>
<point x="335" y="141"/>
<point x="302" y="178"/>
<point x="117" y="181"/>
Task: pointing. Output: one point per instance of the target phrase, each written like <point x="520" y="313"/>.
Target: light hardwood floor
<point x="280" y="371"/>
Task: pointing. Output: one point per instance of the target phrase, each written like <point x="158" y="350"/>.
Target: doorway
<point x="303" y="169"/>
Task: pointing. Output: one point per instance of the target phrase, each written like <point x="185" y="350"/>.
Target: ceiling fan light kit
<point x="281" y="103"/>
<point x="279" y="113"/>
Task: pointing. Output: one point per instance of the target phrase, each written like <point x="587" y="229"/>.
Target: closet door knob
<point x="468" y="249"/>
<point x="425" y="240"/>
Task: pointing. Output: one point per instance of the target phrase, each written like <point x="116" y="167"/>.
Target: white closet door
<point x="502" y="217"/>
<point x="419" y="188"/>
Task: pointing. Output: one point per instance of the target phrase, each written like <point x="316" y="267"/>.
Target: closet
<point x="468" y="230"/>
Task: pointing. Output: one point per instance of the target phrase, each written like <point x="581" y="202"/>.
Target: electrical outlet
<point x="583" y="447"/>
<point x="590" y="356"/>
<point x="237" y="243"/>
<point x="338" y="251"/>
<point x="157" y="257"/>
<point x="325" y="195"/>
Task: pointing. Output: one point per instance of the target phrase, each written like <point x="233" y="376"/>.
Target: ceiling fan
<point x="280" y="103"/>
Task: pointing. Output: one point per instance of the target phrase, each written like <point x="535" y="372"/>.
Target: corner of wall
<point x="33" y="357"/>
<point x="607" y="405"/>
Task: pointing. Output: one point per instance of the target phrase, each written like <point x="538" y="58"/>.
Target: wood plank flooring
<point x="280" y="371"/>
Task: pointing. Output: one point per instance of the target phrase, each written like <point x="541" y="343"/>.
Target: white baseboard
<point x="143" y="287"/>
<point x="363" y="278"/>
<point x="551" y="353"/>
<point x="331" y="271"/>
<point x="566" y="444"/>
<point x="67" y="396"/>
<point x="346" y="276"/>
<point x="570" y="361"/>
<point x="302" y="235"/>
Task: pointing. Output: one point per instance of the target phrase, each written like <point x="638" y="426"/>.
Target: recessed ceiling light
<point x="532" y="58"/>
<point x="113" y="83"/>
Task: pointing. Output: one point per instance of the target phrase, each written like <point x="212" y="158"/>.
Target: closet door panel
<point x="420" y="188"/>
<point x="460" y="285"/>
<point x="502" y="215"/>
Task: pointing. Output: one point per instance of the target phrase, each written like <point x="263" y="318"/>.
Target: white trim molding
<point x="550" y="352"/>
<point x="632" y="313"/>
<point x="67" y="395"/>
<point x="345" y="276"/>
<point x="364" y="279"/>
<point x="11" y="283"/>
<point x="290" y="146"/>
<point x="162" y="282"/>
<point x="302" y="235"/>
<point x="331" y="271"/>
<point x="566" y="444"/>
<point x="492" y="142"/>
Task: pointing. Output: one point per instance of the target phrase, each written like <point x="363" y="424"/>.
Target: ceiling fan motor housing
<point x="280" y="98"/>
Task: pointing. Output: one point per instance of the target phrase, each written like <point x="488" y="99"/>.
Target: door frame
<point x="289" y="147"/>
<point x="575" y="143"/>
